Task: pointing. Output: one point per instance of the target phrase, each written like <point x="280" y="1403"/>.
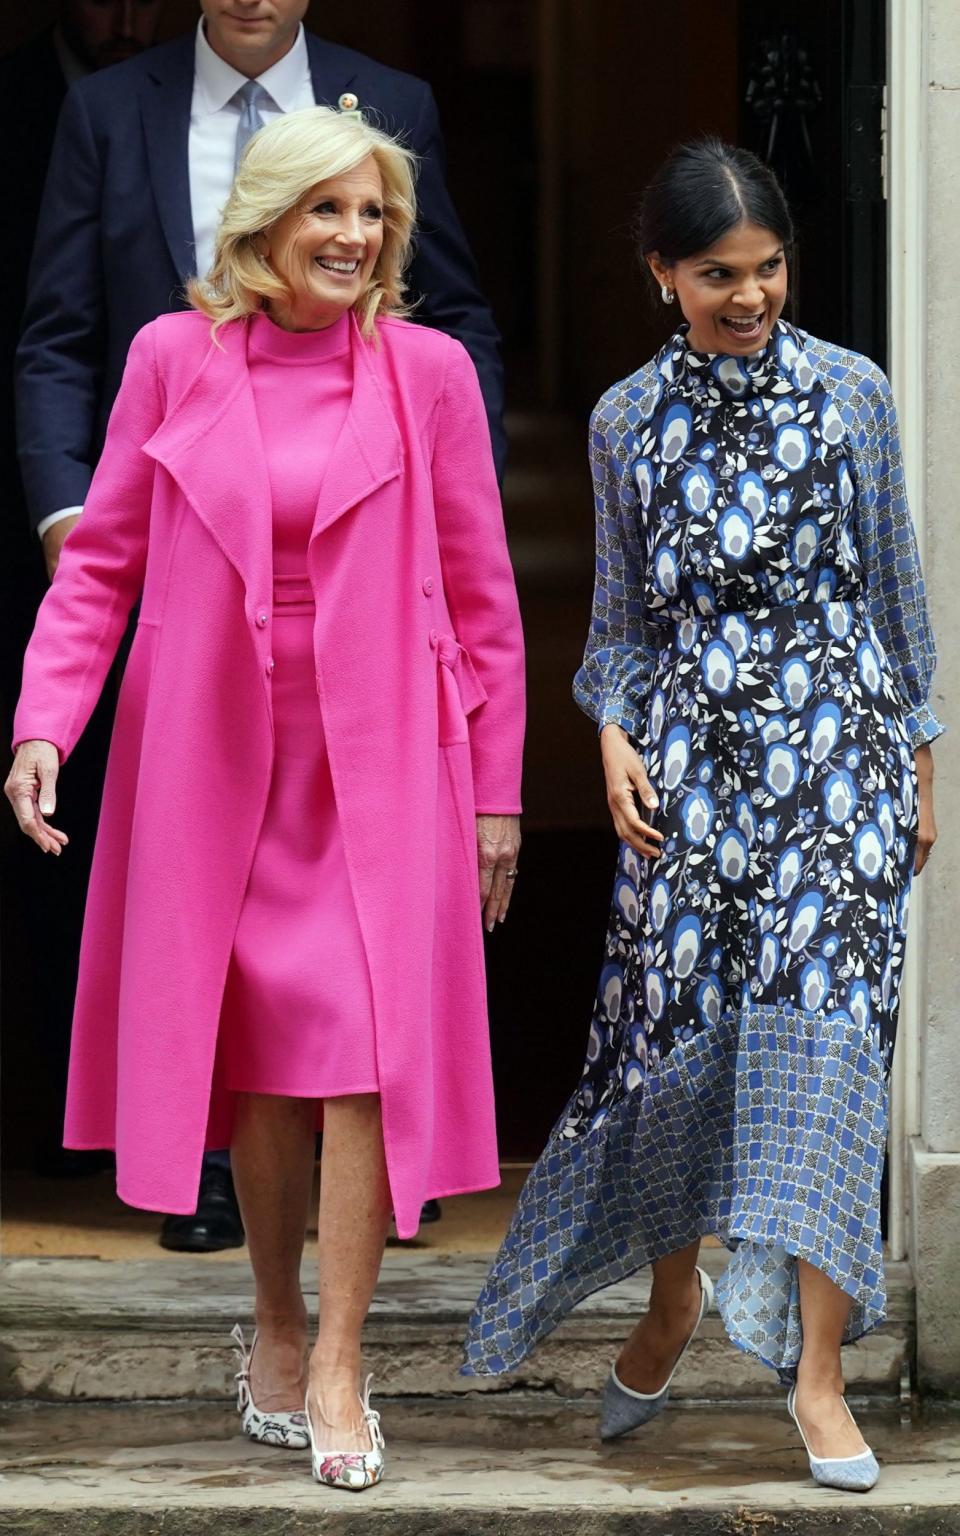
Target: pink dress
<point x="297" y="1015"/>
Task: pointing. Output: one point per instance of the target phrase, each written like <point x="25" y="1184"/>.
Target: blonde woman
<point x="325" y="692"/>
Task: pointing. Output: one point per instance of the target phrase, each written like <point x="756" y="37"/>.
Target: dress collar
<point x="218" y="82"/>
<point x="268" y="340"/>
<point x="736" y="377"/>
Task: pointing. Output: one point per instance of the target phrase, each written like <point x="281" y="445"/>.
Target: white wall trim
<point x="906" y="161"/>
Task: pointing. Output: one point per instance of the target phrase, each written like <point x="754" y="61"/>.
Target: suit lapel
<point x="166" y="102"/>
<point x="329" y="83"/>
<point x="210" y="443"/>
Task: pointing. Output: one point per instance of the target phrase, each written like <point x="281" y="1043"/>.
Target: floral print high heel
<point x="285" y="1429"/>
<point x="353" y="1470"/>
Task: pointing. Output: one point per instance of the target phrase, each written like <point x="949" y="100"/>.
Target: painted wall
<point x="934" y="1162"/>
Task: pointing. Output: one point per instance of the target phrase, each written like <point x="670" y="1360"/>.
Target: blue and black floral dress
<point x="760" y="630"/>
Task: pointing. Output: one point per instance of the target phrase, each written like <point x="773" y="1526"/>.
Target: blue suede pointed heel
<point x="854" y="1474"/>
<point x="622" y="1408"/>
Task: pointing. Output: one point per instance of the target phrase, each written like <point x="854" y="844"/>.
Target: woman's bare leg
<point x="272" y="1155"/>
<point x="654" y="1346"/>
<point x="824" y="1310"/>
<point x="352" y="1231"/>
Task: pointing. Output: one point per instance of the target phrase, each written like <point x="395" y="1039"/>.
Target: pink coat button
<point x="270" y="665"/>
<point x="427" y="585"/>
<point x="434" y="638"/>
<point x="262" y="619"/>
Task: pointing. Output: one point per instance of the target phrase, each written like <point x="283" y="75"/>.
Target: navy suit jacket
<point x="115" y="245"/>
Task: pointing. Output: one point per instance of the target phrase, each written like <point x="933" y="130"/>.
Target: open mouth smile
<point x="744" y="327"/>
<point x="343" y="268"/>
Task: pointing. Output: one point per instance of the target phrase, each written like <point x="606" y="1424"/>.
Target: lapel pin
<point x="349" y="103"/>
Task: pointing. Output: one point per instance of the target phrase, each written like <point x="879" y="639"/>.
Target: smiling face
<point x="325" y="249"/>
<point x="732" y="294"/>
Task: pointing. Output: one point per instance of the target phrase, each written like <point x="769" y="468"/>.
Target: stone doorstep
<point x="79" y="1329"/>
<point x="496" y="1467"/>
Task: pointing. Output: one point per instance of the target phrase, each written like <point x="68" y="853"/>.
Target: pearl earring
<point x="667" y="294"/>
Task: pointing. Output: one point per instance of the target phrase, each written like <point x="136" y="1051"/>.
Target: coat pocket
<point x="460" y="691"/>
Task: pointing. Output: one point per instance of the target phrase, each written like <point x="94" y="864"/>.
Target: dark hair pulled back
<point x="702" y="190"/>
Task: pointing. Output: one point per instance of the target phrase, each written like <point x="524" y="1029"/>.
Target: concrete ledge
<point x="75" y="1329"/>
<point x="935" y="1240"/>
<point x="490" y="1467"/>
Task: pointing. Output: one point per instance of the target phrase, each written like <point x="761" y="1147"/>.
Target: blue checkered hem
<point x="767" y="1130"/>
<point x="811" y="1128"/>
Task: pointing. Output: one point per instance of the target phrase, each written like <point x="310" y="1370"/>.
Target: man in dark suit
<point x="34" y="80"/>
<point x="141" y="166"/>
<point x="42" y="901"/>
<point x="116" y="239"/>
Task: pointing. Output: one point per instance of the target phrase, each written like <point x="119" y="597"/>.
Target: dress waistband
<point x="292" y="592"/>
<point x="667" y="625"/>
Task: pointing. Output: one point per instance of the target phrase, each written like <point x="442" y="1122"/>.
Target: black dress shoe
<point x="430" y="1212"/>
<point x="216" y="1222"/>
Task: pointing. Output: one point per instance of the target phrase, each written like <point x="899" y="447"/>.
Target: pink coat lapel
<point x="369" y="450"/>
<point x="210" y="443"/>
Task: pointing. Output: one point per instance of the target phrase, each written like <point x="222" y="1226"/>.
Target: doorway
<point x="555" y="113"/>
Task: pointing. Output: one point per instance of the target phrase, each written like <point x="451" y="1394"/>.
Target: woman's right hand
<point x="31" y="789"/>
<point x="626" y="777"/>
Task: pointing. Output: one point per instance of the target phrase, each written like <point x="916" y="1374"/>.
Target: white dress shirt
<point x="214" y="117"/>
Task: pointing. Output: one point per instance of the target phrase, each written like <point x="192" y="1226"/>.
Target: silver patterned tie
<point x="250" y="98"/>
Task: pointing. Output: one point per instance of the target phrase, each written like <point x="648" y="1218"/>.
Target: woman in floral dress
<point x="759" y="665"/>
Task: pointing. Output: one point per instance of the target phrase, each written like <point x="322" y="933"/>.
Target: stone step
<point x="84" y="1329"/>
<point x="501" y="1466"/>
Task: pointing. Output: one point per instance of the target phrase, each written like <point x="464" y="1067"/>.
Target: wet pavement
<point x="491" y="1465"/>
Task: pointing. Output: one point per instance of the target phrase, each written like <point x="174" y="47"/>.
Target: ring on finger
<point x="511" y="874"/>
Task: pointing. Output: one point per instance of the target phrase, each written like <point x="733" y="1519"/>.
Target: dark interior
<point x="555" y="113"/>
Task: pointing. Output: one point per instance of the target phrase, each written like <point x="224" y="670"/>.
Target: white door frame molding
<point x="906" y="186"/>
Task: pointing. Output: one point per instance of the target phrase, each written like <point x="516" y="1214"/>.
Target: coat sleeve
<point x="84" y="614"/>
<point x="444" y="274"/>
<point x="893" y="581"/>
<point x="614" y="680"/>
<point x="479" y="584"/>
<point x="60" y="358"/>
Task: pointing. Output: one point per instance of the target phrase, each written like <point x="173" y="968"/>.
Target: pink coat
<point x="419" y="662"/>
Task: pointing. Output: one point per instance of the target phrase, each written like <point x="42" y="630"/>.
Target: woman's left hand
<point x="927" y="826"/>
<point x="498" y="846"/>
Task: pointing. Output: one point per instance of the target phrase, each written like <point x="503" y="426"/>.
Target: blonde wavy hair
<point x="282" y="162"/>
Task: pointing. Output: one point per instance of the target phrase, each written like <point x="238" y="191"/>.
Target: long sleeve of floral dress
<point x="614" y="680"/>
<point x="893" y="581"/>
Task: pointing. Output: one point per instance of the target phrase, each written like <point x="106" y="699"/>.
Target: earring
<point x="667" y="294"/>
